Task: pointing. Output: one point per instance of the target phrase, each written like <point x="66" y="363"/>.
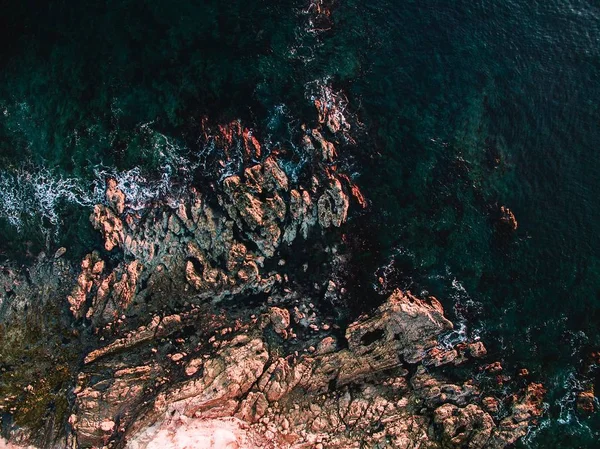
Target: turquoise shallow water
<point x="466" y="106"/>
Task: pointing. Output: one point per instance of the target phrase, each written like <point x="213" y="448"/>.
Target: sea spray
<point x="38" y="194"/>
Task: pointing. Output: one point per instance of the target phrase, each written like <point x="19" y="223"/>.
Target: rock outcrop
<point x="375" y="386"/>
<point x="585" y="402"/>
<point x="195" y="327"/>
<point x="508" y="221"/>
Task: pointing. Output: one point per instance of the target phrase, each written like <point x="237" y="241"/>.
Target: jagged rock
<point x="226" y="377"/>
<point x="187" y="242"/>
<point x="114" y="293"/>
<point x="333" y="205"/>
<point x="477" y="349"/>
<point x="280" y="318"/>
<point x="493" y="368"/>
<point x="226" y="136"/>
<point x="115" y="397"/>
<point x="490" y="404"/>
<point x="327" y="149"/>
<point x="435" y="391"/>
<point x="261" y="219"/>
<point x="468" y="427"/>
<point x="303" y="216"/>
<point x="333" y="397"/>
<point x="91" y="269"/>
<point x="585" y="402"/>
<point x="361" y="390"/>
<point x="114" y="196"/>
<point x="326" y="346"/>
<point x="404" y="323"/>
<point x="329" y="109"/>
<point x="508" y="219"/>
<point x="172" y="357"/>
<point x="524" y="413"/>
<point x="106" y="221"/>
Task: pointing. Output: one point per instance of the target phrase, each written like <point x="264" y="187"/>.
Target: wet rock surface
<point x="199" y="319"/>
<point x="507" y="221"/>
<point x="374" y="387"/>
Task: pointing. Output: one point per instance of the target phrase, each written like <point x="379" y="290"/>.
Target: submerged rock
<point x="586" y="402"/>
<point x="507" y="219"/>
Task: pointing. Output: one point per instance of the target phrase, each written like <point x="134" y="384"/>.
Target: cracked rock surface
<point x="374" y="389"/>
<point x="202" y="323"/>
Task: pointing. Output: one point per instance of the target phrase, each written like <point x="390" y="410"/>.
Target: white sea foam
<point x="142" y="188"/>
<point x="384" y="272"/>
<point x="567" y="403"/>
<point x="38" y="194"/>
<point x="460" y="299"/>
<point x="460" y="334"/>
<point x="569" y="385"/>
<point x="335" y="101"/>
<point x="307" y="34"/>
<point x="314" y="9"/>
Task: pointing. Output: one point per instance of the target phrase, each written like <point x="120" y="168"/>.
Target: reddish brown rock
<point x="251" y="145"/>
<point x="331" y="397"/>
<point x="468" y="427"/>
<point x="111" y="226"/>
<point x="114" y="196"/>
<point x="280" y="319"/>
<point x="477" y="350"/>
<point x="493" y="368"/>
<point x="586" y="402"/>
<point x="508" y="219"/>
<point x="490" y="404"/>
<point x="525" y="411"/>
<point x="333" y="205"/>
<point x="91" y="270"/>
<point x="182" y="345"/>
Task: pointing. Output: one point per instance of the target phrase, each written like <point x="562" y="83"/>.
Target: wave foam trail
<point x="334" y="101"/>
<point x="138" y="189"/>
<point x="567" y="403"/>
<point x="461" y="300"/>
<point x="166" y="184"/>
<point x="562" y="409"/>
<point x="39" y="194"/>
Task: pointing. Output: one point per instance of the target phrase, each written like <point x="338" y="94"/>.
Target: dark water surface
<point x="450" y="89"/>
<point x="466" y="105"/>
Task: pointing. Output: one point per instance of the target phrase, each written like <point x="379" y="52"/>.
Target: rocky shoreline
<point x="200" y="323"/>
<point x="382" y="390"/>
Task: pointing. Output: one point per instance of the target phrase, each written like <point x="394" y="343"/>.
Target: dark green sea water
<point x="466" y="106"/>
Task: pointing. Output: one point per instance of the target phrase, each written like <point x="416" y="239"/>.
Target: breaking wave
<point x="141" y="187"/>
<point x="561" y="410"/>
<point x="38" y="194"/>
